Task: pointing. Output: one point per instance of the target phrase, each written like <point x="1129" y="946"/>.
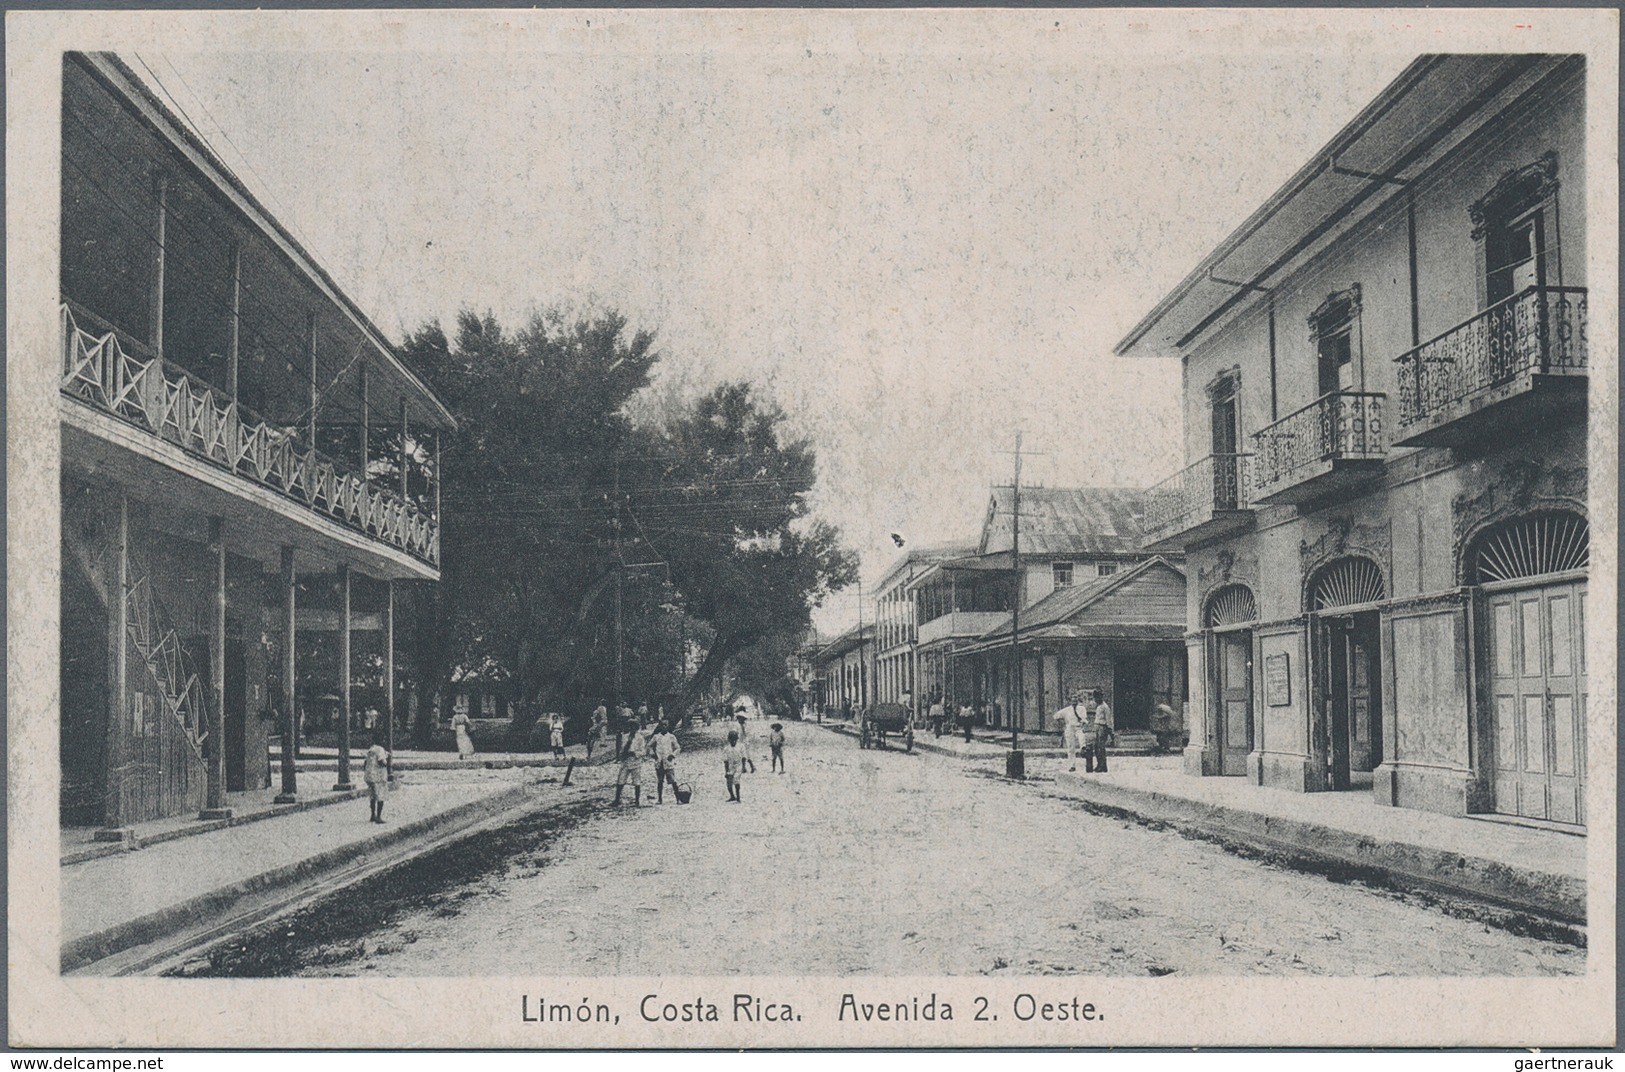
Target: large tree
<point x="559" y="510"/>
<point x="726" y="506"/>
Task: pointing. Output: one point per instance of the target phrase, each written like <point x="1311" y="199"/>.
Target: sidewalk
<point x="170" y="887"/>
<point x="326" y="760"/>
<point x="1505" y="864"/>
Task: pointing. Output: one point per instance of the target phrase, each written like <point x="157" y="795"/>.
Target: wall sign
<point x="1278" y="680"/>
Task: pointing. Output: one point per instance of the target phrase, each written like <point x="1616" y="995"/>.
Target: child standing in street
<point x="665" y="750"/>
<point x="733" y="765"/>
<point x="557" y="737"/>
<point x="375" y="772"/>
<point x="775" y="745"/>
<point x="744" y="742"/>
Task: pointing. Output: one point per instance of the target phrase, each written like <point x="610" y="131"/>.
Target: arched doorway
<point x="1533" y="573"/>
<point x="1342" y="598"/>
<point x="1230" y="612"/>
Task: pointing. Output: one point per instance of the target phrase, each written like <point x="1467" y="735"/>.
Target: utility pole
<point x="1015" y="765"/>
<point x="620" y="581"/>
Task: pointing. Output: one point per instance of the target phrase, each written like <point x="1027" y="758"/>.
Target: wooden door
<point x="1538" y="698"/>
<point x="1235" y="700"/>
<point x="1363" y="696"/>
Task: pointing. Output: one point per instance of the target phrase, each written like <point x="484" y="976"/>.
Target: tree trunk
<point x="722" y="649"/>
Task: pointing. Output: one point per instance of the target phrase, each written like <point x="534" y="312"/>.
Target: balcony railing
<point x="960" y="624"/>
<point x="1341" y="426"/>
<point x="1217" y="484"/>
<point x="109" y="373"/>
<point x="1541" y="330"/>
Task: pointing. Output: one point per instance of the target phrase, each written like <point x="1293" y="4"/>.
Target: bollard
<point x="1015" y="764"/>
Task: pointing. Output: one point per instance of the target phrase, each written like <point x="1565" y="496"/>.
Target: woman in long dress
<point x="465" y="744"/>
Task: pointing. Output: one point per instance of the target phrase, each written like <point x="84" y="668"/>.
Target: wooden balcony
<point x="1326" y="447"/>
<point x="1200" y="503"/>
<point x="106" y="371"/>
<point x="960" y="624"/>
<point x="1518" y="364"/>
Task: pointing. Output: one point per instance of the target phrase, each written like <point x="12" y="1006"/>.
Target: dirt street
<point x="860" y="862"/>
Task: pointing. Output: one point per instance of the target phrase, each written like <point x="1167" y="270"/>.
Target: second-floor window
<point x="1063" y="574"/>
<point x="1334" y="327"/>
<point x="1514" y="255"/>
<point x="1515" y="225"/>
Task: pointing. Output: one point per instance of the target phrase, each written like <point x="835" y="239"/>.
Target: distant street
<point x="859" y="862"/>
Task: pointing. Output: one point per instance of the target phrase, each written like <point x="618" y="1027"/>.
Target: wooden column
<point x="389" y="671"/>
<point x="234" y="342"/>
<point x="310" y="420"/>
<point x="118" y="714"/>
<point x="214" y="797"/>
<point x="155" y="323"/>
<point x="344" y="784"/>
<point x="290" y="706"/>
<point x="403" y="451"/>
<point x="437" y="476"/>
<point x="366" y="424"/>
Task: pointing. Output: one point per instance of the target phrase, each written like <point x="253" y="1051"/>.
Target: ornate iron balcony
<point x="1198" y="501"/>
<point x="108" y="373"/>
<point x="1495" y="355"/>
<point x="1298" y="456"/>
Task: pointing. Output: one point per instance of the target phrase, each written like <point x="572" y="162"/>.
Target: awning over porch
<point x="1146" y="602"/>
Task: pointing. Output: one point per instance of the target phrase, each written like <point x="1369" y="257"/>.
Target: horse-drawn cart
<point x="883" y="719"/>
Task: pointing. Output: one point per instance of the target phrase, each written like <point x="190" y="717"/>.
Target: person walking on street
<point x="598" y="728"/>
<point x="459" y="726"/>
<point x="1103" y="729"/>
<point x="733" y="766"/>
<point x="936" y="716"/>
<point x="375" y="772"/>
<point x="625" y="720"/>
<point x="666" y="749"/>
<point x="631" y="772"/>
<point x="1071" y="721"/>
<point x="744" y="742"/>
<point x="775" y="745"/>
<point x="966" y="716"/>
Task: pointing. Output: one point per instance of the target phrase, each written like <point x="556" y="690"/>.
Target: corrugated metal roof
<point x="1067" y="521"/>
<point x="926" y="553"/>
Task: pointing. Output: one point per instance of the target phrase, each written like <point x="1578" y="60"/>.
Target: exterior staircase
<point x="182" y="694"/>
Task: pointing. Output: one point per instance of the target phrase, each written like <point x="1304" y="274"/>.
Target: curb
<point x="166" y="921"/>
<point x="1543" y="892"/>
<point x="204" y="826"/>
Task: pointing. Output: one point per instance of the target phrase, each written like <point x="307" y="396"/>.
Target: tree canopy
<point x="558" y="508"/>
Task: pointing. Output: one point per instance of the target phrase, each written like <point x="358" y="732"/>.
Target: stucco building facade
<point x="1384" y="511"/>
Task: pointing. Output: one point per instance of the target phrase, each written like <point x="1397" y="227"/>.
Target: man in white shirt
<point x="1071" y="720"/>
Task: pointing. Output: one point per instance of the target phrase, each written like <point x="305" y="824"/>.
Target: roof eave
<point x="1317" y="165"/>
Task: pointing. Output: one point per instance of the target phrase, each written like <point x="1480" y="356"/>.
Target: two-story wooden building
<point x="1384" y="510"/>
<point x="1071" y="540"/>
<point x="248" y="469"/>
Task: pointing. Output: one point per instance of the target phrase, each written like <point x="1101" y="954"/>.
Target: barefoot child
<point x="775" y="745"/>
<point x="733" y="765"/>
<point x="375" y="772"/>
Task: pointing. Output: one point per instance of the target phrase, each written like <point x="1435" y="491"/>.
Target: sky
<point x="916" y="243"/>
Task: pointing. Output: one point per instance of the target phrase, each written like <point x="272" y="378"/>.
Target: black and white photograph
<point x="812" y="528"/>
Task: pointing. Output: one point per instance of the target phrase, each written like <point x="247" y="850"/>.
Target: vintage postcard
<point x="812" y="528"/>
